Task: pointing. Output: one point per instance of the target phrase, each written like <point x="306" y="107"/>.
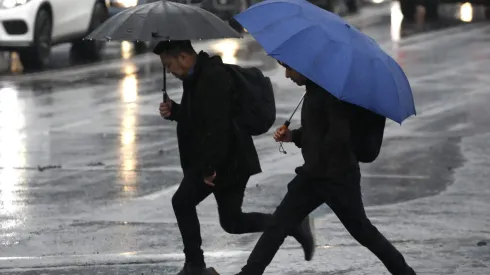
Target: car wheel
<point x="408" y="8"/>
<point x="92" y="49"/>
<point x="140" y="47"/>
<point x="327" y="5"/>
<point x="487" y="11"/>
<point x="432" y="9"/>
<point x="37" y="56"/>
<point x="352" y="6"/>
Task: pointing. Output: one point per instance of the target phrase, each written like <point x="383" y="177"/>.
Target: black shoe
<point x="197" y="270"/>
<point x="305" y="236"/>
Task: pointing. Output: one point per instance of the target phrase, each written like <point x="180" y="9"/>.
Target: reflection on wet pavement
<point x="12" y="160"/>
<point x="129" y="94"/>
<point x="88" y="168"/>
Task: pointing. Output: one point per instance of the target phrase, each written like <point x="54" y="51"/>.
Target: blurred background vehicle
<point x="32" y="27"/>
<point x="340" y="7"/>
<point x="408" y="7"/>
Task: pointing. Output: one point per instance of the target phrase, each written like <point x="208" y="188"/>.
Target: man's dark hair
<point x="174" y="48"/>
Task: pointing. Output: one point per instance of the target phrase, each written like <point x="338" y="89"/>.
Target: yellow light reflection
<point x="128" y="3"/>
<point x="227" y="49"/>
<point x="15" y="63"/>
<point x="129" y="88"/>
<point x="396" y="21"/>
<point x="129" y="96"/>
<point x="129" y="69"/>
<point x="378" y="1"/>
<point x="128" y="253"/>
<point x="12" y="155"/>
<point x="126" y="49"/>
<point x="466" y="12"/>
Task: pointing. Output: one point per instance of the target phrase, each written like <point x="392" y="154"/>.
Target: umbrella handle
<point x="282" y="128"/>
<point x="285" y="125"/>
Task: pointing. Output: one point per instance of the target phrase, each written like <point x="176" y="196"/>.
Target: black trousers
<point x="344" y="198"/>
<point x="229" y="193"/>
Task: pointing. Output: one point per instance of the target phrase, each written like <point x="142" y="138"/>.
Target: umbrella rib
<point x="397" y="92"/>
<point x="183" y="8"/>
<point x="291" y="37"/>
<point x="130" y="13"/>
<point x="149" y="13"/>
<point x="204" y="17"/>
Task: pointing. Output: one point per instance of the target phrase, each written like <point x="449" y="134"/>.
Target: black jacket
<point x="324" y="136"/>
<point x="207" y="137"/>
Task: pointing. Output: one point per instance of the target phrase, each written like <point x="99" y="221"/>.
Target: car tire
<point x="487" y="11"/>
<point x="408" y="8"/>
<point x="140" y="47"/>
<point x="36" y="57"/>
<point x="92" y="49"/>
<point x="432" y="9"/>
<point x="352" y="6"/>
<point x="328" y="5"/>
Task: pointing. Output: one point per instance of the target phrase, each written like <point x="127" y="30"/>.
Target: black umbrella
<point x="163" y="20"/>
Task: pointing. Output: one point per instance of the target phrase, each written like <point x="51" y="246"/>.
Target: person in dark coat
<point x="330" y="174"/>
<point x="215" y="157"/>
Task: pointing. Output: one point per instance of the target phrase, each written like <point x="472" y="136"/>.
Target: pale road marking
<point x="67" y="126"/>
<point x="179" y="169"/>
<point x="12" y="263"/>
<point x="395" y="176"/>
<point x="155" y="195"/>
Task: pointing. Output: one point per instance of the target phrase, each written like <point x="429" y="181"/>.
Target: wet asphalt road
<point x="87" y="166"/>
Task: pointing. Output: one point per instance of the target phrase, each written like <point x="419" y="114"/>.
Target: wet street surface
<point x="88" y="167"/>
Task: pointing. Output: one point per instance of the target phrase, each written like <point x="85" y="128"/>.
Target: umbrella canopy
<point x="163" y="20"/>
<point x="330" y="52"/>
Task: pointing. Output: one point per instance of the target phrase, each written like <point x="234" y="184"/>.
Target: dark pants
<point x="344" y="198"/>
<point x="229" y="193"/>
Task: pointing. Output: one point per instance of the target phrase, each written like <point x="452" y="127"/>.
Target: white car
<point x="31" y="27"/>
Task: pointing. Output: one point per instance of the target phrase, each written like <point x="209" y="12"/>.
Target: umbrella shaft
<point x="165" y="95"/>
<point x="299" y="103"/>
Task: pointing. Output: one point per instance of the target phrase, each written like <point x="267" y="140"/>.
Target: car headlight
<point x="125" y="3"/>
<point x="8" y="4"/>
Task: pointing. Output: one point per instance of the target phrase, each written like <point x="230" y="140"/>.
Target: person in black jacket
<point x="330" y="174"/>
<point x="215" y="157"/>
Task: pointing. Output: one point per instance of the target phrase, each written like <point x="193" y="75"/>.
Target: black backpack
<point x="367" y="130"/>
<point x="256" y="105"/>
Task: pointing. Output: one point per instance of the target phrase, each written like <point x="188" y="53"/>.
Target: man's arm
<point x="297" y="135"/>
<point x="214" y="93"/>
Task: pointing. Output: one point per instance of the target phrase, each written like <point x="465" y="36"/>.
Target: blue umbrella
<point x="330" y="52"/>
